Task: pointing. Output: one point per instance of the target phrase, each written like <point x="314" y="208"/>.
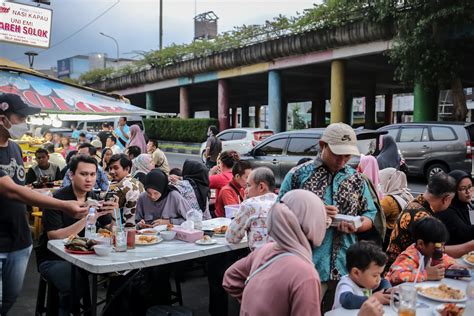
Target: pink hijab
<point x="368" y="165"/>
<point x="297" y="221"/>
<point x="137" y="138"/>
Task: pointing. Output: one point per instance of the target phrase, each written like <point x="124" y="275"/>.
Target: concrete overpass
<point x="337" y="64"/>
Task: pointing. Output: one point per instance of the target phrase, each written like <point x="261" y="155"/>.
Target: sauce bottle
<point x="437" y="254"/>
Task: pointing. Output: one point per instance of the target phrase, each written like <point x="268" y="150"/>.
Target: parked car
<point x="242" y="140"/>
<point x="282" y="151"/>
<point x="432" y="147"/>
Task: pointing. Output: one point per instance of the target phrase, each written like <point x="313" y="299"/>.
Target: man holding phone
<point x="58" y="225"/>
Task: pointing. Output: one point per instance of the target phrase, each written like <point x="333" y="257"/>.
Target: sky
<point x="134" y="24"/>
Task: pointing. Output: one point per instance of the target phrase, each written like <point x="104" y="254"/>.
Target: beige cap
<point x="96" y="143"/>
<point x="341" y="139"/>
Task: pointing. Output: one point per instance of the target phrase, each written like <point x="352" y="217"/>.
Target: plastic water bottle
<point x="470" y="294"/>
<point x="90" y="224"/>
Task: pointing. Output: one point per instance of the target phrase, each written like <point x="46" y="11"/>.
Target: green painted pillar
<point x="425" y="106"/>
<point x="150" y="101"/>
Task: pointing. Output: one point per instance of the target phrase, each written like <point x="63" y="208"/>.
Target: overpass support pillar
<point x="275" y="102"/>
<point x="245" y="116"/>
<point x="370" y="111"/>
<point x="339" y="110"/>
<point x="223" y="104"/>
<point x="150" y="101"/>
<point x="257" y="115"/>
<point x="388" y="115"/>
<point x="318" y="112"/>
<point x="235" y="117"/>
<point x="184" y="102"/>
<point x="425" y="107"/>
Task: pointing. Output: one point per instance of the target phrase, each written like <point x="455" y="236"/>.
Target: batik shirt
<point x="401" y="237"/>
<point x="252" y="219"/>
<point x="128" y="190"/>
<point x="346" y="190"/>
<point x="406" y="266"/>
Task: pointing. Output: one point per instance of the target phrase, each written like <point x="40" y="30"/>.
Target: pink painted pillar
<point x="184" y="102"/>
<point x="223" y="104"/>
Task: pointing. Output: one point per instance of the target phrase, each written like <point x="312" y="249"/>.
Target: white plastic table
<point x="388" y="311"/>
<point x="141" y="257"/>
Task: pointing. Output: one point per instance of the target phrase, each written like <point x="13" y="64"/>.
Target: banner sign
<point x="56" y="97"/>
<point x="24" y="24"/>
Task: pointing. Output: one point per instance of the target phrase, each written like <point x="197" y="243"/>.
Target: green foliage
<point x="70" y="80"/>
<point x="298" y="121"/>
<point x="176" y="129"/>
<point x="96" y="75"/>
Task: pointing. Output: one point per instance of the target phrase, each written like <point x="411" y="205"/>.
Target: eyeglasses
<point x="466" y="189"/>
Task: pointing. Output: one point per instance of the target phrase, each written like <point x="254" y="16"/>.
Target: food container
<point x="231" y="210"/>
<point x="168" y="235"/>
<point x="102" y="250"/>
<point x="188" y="235"/>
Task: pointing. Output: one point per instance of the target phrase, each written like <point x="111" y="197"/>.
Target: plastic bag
<point x="196" y="217"/>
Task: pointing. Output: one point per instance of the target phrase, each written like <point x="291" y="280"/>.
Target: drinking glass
<point x="120" y="240"/>
<point x="406" y="304"/>
<point x="131" y="238"/>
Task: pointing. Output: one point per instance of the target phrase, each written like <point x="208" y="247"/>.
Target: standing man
<point x="128" y="189"/>
<point x="122" y="132"/>
<point x="43" y="168"/>
<point x="159" y="158"/>
<point x="213" y="147"/>
<point x="104" y="133"/>
<point x="15" y="236"/>
<point x="344" y="191"/>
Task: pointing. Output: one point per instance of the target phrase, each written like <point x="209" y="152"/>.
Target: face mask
<point x="18" y="130"/>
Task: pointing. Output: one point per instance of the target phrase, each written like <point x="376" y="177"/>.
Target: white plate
<point x="437" y="309"/>
<point x="148" y="231"/>
<point x="218" y="235"/>
<point x="157" y="241"/>
<point x="440" y="299"/>
<point x="205" y="243"/>
<point x="467" y="261"/>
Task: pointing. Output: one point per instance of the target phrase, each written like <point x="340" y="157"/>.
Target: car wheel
<point x="434" y="169"/>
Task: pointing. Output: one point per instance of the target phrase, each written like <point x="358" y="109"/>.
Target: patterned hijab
<point x="298" y="223"/>
<point x="143" y="163"/>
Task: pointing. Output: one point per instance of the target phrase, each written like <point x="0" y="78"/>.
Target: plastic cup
<point x="131" y="238"/>
<point x="120" y="240"/>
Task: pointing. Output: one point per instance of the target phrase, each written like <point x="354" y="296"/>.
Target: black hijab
<point x="158" y="180"/>
<point x="458" y="175"/>
<point x="198" y="175"/>
<point x="389" y="157"/>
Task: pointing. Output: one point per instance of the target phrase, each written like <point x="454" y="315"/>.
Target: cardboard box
<point x="355" y="220"/>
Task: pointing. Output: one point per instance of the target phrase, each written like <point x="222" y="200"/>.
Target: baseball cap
<point x="13" y="103"/>
<point x="96" y="143"/>
<point x="341" y="139"/>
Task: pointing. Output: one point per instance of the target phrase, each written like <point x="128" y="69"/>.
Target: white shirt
<point x="346" y="285"/>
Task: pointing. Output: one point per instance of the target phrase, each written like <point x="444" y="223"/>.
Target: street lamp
<point x="31" y="57"/>
<point x="116" y="44"/>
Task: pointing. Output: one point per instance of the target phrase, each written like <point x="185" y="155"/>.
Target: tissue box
<point x="231" y="210"/>
<point x="188" y="235"/>
<point x="356" y="220"/>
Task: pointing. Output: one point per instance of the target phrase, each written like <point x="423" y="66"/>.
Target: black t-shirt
<point x="14" y="229"/>
<point x="103" y="135"/>
<point x="54" y="220"/>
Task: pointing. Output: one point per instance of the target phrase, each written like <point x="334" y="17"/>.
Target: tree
<point x="431" y="44"/>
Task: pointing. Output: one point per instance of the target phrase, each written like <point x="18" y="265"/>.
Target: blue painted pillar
<point x="150" y="101"/>
<point x="275" y="101"/>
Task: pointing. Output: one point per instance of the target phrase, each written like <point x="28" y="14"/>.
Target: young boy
<point x="426" y="233"/>
<point x="365" y="262"/>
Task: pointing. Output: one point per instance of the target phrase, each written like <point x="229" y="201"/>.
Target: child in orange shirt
<point x="426" y="232"/>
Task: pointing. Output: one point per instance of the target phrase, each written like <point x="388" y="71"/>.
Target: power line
<point x="76" y="32"/>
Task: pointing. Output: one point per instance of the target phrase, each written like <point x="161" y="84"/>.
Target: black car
<point x="282" y="151"/>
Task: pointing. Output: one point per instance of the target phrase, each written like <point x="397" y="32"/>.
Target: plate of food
<point x="148" y="231"/>
<point x="441" y="293"/>
<point x="449" y="309"/>
<point x="79" y="245"/>
<point x="104" y="233"/>
<point x="205" y="241"/>
<point x="147" y="240"/>
<point x="220" y="231"/>
<point x="469" y="258"/>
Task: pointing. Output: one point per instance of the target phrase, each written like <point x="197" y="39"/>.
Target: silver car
<point x="429" y="148"/>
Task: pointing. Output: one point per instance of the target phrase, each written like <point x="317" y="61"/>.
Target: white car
<point x="242" y="140"/>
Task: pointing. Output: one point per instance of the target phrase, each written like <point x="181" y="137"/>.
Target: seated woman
<point x="193" y="184"/>
<point x="456" y="217"/>
<point x="234" y="192"/>
<point x="142" y="165"/>
<point x="160" y="204"/>
<point x="396" y="196"/>
<point x="296" y="225"/>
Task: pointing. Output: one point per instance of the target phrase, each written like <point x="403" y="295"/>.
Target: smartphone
<point x="109" y="195"/>
<point x="457" y="273"/>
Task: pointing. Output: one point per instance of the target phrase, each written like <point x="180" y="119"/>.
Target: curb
<point x="181" y="151"/>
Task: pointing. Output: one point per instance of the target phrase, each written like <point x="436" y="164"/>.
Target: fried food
<point x="169" y="227"/>
<point x="470" y="257"/>
<point x="79" y="243"/>
<point x="206" y="238"/>
<point x="146" y="239"/>
<point x="220" y="230"/>
<point x="451" y="310"/>
<point x="443" y="292"/>
<point x="104" y="233"/>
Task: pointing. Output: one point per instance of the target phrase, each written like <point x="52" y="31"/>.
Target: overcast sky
<point x="134" y="23"/>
